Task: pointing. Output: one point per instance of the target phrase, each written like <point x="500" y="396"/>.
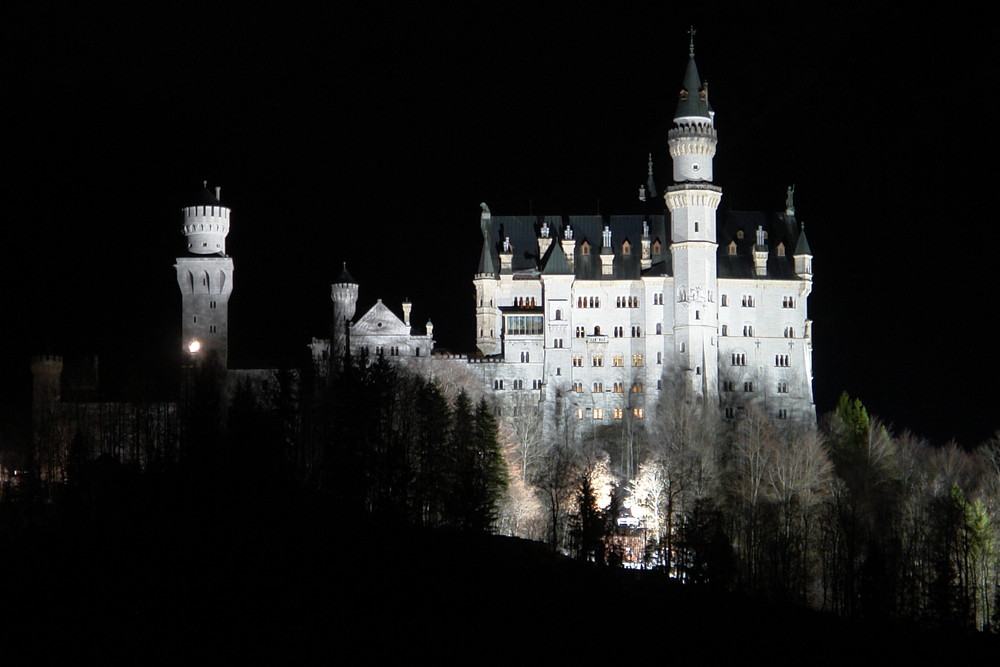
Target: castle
<point x="589" y="318"/>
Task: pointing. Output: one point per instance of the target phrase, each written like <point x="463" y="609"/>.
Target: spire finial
<point x="692" y="32"/>
<point x="650" y="172"/>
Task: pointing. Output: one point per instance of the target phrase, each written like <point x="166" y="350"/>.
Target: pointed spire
<point x="802" y="247"/>
<point x="345" y="278"/>
<point x="694" y="94"/>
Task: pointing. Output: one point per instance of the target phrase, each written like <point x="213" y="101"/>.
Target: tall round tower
<point x="693" y="201"/>
<point x="344" y="294"/>
<point x="205" y="278"/>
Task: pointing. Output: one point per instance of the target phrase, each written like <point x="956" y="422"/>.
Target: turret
<point x="760" y="253"/>
<point x="205" y="278"/>
<point x="344" y="294"/>
<point x="487" y="283"/>
<point x="803" y="256"/>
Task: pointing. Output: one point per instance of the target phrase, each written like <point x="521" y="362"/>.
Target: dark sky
<point x="370" y="133"/>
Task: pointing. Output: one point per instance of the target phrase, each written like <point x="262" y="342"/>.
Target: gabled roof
<point x="802" y="247"/>
<point x="380" y="321"/>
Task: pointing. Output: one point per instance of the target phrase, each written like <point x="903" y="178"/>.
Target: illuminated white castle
<point x="593" y="317"/>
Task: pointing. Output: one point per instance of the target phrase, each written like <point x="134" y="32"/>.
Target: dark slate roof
<point x="781" y="229"/>
<point x="523" y="232"/>
<point x="802" y="247"/>
<point x="692" y="103"/>
<point x="205" y="197"/>
<point x="487" y="265"/>
<point x="555" y="262"/>
<point x="345" y="277"/>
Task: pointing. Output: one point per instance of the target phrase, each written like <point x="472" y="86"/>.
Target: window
<point x="619" y="332"/>
<point x="536" y="384"/>
<point x="789" y="332"/>
<point x="682" y="348"/>
<point x="659" y="385"/>
<point x="636" y="387"/>
<point x="211" y="304"/>
<point x="732" y="248"/>
<point x="781" y="250"/>
<point x="579" y="413"/>
<point x="524" y="325"/>
<point x="578" y="360"/>
<point x="725" y="329"/>
<point x="498" y="384"/>
<point x="637" y="360"/>
<point x="727" y="385"/>
<point x="725" y="300"/>
<point x="211" y="328"/>
<point x="782" y="413"/>
<point x="739" y="234"/>
<point x="658" y="299"/>
<point x="598" y="413"/>
<point x="597" y="330"/>
<point x="659" y="328"/>
<point x="748" y="386"/>
<point x="581" y="332"/>
<point x="636" y="332"/>
<point x="782" y="387"/>
<point x="739" y="359"/>
<point x="748" y="330"/>
<point x="626" y="248"/>
<point x="657" y="247"/>
<point x="578" y="387"/>
<point x="638" y="413"/>
<point x="597" y="360"/>
<point x="748" y="301"/>
<point x="598" y="388"/>
<point x="618" y="360"/>
<point x="659" y="357"/>
<point x="525" y="357"/>
<point x="619" y="387"/>
<point x="788" y="302"/>
<point x="584" y="248"/>
<point x="518" y="384"/>
<point x="617" y="413"/>
<point x="557" y="342"/>
<point x="781" y="360"/>
<point x="558" y="314"/>
<point x="730" y="413"/>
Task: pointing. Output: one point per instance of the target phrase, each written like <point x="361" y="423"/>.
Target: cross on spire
<point x="692" y="32"/>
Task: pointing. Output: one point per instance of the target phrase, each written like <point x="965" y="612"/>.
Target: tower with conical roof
<point x="486" y="282"/>
<point x="205" y="278"/>
<point x="344" y="294"/>
<point x="693" y="201"/>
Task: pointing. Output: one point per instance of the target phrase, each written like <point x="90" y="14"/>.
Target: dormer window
<point x="626" y="248"/>
<point x="585" y="248"/>
<point x="656" y="247"/>
<point x="732" y="248"/>
<point x="739" y="234"/>
<point x="781" y="250"/>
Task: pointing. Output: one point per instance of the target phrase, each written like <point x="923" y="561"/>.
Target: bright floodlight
<point x="194" y="346"/>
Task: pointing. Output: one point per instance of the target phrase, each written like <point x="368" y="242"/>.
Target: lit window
<point x="637" y="360"/>
<point x="598" y="388"/>
<point x="598" y="413"/>
<point x="597" y="360"/>
<point x="578" y="360"/>
<point x="636" y="387"/>
<point x="617" y="413"/>
<point x="578" y="387"/>
<point x="638" y="413"/>
<point x="618" y="360"/>
<point x="579" y="413"/>
<point x="619" y="387"/>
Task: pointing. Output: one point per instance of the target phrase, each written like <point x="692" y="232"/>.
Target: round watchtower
<point x="206" y="224"/>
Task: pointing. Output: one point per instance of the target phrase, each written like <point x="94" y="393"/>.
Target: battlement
<point x="206" y="228"/>
<point x="46" y="363"/>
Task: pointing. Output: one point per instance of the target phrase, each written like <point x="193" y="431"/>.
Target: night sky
<point x="371" y="132"/>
